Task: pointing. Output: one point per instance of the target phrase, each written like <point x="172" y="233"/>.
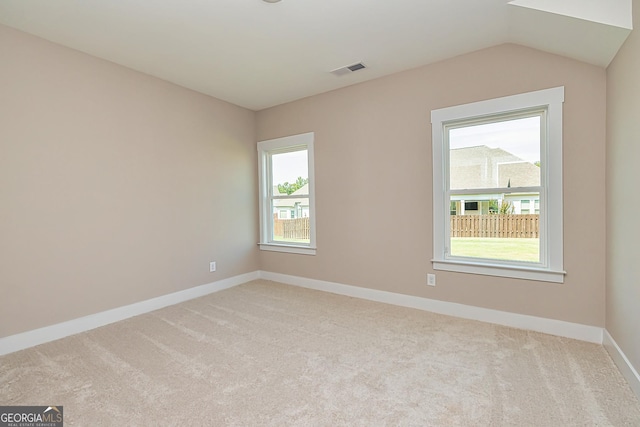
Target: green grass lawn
<point x="511" y="249"/>
<point x="282" y="239"/>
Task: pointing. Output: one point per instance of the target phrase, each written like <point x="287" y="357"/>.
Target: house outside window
<point x="489" y="158"/>
<point x="287" y="197"/>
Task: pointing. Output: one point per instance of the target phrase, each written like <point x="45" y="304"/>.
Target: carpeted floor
<point x="270" y="354"/>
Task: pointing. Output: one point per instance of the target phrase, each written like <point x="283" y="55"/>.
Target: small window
<point x="287" y="202"/>
<point x="470" y="206"/>
<point x="503" y="159"/>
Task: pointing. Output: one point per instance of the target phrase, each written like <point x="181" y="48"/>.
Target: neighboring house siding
<point x="485" y="167"/>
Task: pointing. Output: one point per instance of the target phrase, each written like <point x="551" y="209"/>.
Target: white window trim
<point x="264" y="148"/>
<point x="551" y="240"/>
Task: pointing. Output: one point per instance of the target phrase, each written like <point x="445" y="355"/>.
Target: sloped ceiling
<point x="257" y="54"/>
<point x="588" y="30"/>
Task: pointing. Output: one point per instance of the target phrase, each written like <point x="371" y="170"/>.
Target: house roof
<point x="290" y="203"/>
<point x="485" y="167"/>
<point x="256" y="55"/>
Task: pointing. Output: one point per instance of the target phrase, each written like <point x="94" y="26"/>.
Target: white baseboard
<point x="521" y="321"/>
<point x="35" y="337"/>
<point x="623" y="364"/>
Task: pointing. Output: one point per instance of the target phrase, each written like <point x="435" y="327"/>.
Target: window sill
<point x="515" y="272"/>
<point x="293" y="249"/>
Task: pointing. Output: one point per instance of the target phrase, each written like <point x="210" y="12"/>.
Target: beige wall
<point x="115" y="187"/>
<point x="623" y="202"/>
<point x="373" y="181"/>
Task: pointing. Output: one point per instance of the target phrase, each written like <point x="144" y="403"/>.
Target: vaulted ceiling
<point x="257" y="54"/>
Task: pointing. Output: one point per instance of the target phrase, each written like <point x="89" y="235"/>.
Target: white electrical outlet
<point x="431" y="279"/>
<point x="212" y="266"/>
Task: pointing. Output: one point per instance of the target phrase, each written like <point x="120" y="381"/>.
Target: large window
<point x="497" y="186"/>
<point x="287" y="202"/>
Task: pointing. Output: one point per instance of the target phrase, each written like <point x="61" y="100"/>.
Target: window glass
<point x="290" y="177"/>
<point x="499" y="156"/>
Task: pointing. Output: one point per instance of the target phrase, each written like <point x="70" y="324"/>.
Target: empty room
<point x="319" y="213"/>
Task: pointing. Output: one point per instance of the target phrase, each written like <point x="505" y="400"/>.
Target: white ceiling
<point x="256" y="54"/>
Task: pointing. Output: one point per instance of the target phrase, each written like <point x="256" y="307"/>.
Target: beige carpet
<point x="270" y="354"/>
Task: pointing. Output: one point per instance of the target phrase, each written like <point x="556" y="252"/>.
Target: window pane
<point x="290" y="215"/>
<point x="501" y="154"/>
<point x="289" y="172"/>
<point x="494" y="227"/>
<point x="295" y="228"/>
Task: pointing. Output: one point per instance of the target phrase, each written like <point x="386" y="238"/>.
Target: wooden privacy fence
<point x="495" y="225"/>
<point x="289" y="229"/>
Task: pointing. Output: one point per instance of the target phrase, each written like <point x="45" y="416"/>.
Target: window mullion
<point x="506" y="190"/>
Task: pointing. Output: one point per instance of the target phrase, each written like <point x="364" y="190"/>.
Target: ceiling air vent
<point x="348" y="69"/>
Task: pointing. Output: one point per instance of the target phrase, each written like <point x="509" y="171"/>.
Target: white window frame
<point x="550" y="267"/>
<point x="265" y="150"/>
